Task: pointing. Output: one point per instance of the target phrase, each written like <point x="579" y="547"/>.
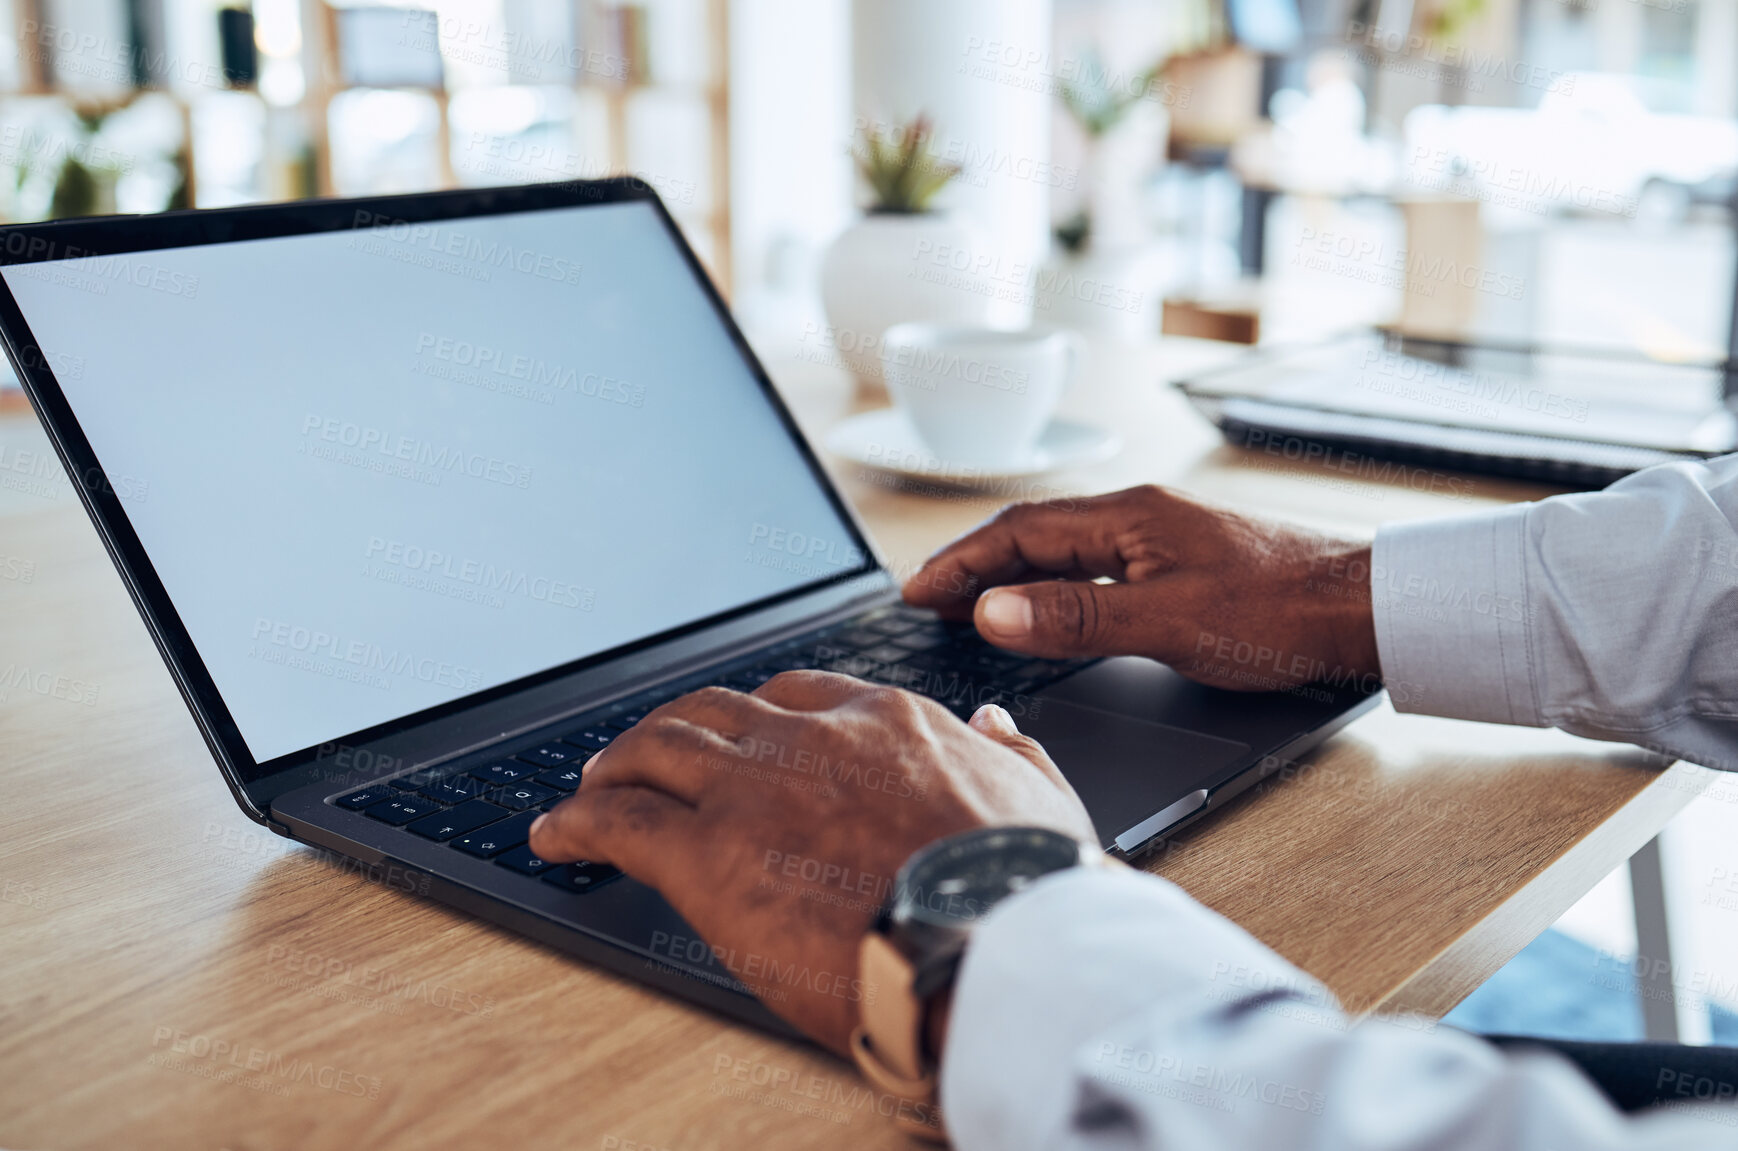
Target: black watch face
<point x="960" y="879"/>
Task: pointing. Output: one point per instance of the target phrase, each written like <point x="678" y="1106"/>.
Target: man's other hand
<point x="775" y="822"/>
<point x="1222" y="598"/>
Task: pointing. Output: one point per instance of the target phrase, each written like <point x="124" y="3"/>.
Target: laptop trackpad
<point x="1124" y="768"/>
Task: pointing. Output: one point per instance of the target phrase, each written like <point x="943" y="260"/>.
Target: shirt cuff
<point x="1059" y="964"/>
<point x="1450" y="603"/>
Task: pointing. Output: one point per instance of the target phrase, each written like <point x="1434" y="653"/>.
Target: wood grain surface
<point x="172" y="976"/>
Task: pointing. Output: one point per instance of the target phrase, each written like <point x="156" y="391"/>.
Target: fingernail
<point x="537" y="823"/>
<point x="1007" y="613"/>
<point x="995" y="717"/>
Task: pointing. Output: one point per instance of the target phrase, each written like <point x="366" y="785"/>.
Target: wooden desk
<point x="152" y="940"/>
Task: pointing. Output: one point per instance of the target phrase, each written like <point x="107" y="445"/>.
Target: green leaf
<point x="899" y="167"/>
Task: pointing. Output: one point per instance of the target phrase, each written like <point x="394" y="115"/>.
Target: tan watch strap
<point x="888" y="1043"/>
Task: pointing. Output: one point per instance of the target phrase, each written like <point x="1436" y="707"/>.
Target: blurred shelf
<point x="619" y="133"/>
<point x="592" y="22"/>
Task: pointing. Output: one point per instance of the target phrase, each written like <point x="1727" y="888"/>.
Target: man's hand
<point x="775" y="822"/>
<point x="1228" y="600"/>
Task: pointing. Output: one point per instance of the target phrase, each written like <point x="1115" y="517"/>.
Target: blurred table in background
<point x="144" y="921"/>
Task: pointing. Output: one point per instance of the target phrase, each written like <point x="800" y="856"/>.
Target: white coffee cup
<point x="977" y="396"/>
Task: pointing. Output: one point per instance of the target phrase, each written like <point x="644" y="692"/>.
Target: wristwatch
<point x="911" y="954"/>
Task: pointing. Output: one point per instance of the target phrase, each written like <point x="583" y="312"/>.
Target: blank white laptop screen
<point x="379" y="470"/>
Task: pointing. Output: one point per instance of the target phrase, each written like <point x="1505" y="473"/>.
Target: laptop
<point x="426" y="499"/>
<point x="1577" y="417"/>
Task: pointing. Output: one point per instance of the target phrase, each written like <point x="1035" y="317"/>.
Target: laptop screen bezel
<point x="113" y="236"/>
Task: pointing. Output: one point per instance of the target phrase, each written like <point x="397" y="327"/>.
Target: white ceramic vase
<point x="891" y="268"/>
<point x="1116" y="294"/>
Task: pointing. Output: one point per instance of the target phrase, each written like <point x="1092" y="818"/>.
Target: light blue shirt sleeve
<point x="1610" y="614"/>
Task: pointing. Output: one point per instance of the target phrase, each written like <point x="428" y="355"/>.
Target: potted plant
<point x="81" y="178"/>
<point x="904" y="260"/>
<point x="1102" y="275"/>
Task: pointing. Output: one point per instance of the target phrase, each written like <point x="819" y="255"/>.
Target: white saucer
<point x="885" y="441"/>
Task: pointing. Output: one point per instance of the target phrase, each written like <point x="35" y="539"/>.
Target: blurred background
<point x="1293" y="162"/>
<point x="1254" y="171"/>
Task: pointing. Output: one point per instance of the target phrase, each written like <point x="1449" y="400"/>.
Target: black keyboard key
<point x="504" y="772"/>
<point x="367" y="797"/>
<point x="525" y="861"/>
<point x="959" y="652"/>
<point x="923" y="640"/>
<point x="519" y="796"/>
<point x="858" y="637"/>
<point x="627" y="719"/>
<point x="562" y="779"/>
<point x="594" y="738"/>
<point x="455" y="790"/>
<point x="497" y="837"/>
<point x="425" y="777"/>
<point x="549" y="755"/>
<point x="1032" y="677"/>
<point x="890" y="624"/>
<point x="947" y="692"/>
<point x="403" y="809"/>
<point x="924" y="683"/>
<point x="939" y="662"/>
<point x="855" y="665"/>
<point x="1050" y="671"/>
<point x="898" y="675"/>
<point x="886" y="653"/>
<point x="581" y="876"/>
<point x="465" y="817"/>
<point x="996" y="659"/>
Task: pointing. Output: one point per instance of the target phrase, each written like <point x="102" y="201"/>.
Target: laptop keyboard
<point x="486" y="810"/>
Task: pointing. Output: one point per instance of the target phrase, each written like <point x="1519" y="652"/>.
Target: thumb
<point x="994" y="721"/>
<point x="1061" y="618"/>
